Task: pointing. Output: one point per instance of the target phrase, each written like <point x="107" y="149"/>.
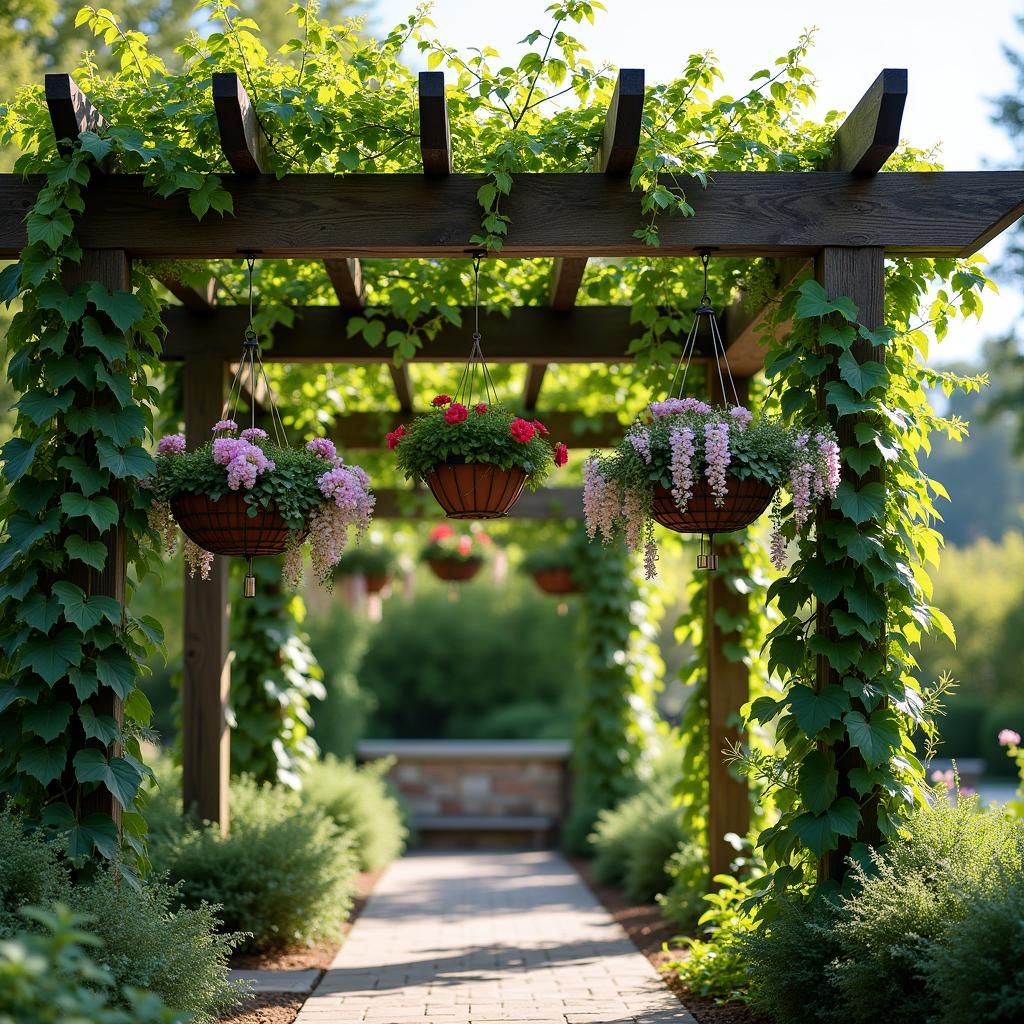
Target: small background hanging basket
<point x="556" y="581"/>
<point x="476" y="490"/>
<point x="376" y="582"/>
<point x="745" y="501"/>
<point x="455" y="570"/>
<point x="225" y="527"/>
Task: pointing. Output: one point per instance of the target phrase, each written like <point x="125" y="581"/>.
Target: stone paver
<point x="488" y="938"/>
<point x="277" y="981"/>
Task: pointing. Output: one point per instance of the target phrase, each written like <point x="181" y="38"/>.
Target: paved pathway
<point x="480" y="938"/>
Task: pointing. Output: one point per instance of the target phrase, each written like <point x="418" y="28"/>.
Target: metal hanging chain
<point x="705" y="309"/>
<point x="476" y="362"/>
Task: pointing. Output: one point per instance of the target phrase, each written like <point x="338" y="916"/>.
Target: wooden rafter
<point x="347" y="279"/>
<point x="864" y="141"/>
<point x="531" y="334"/>
<point x="435" y="133"/>
<point x="534" y="381"/>
<point x="242" y="138"/>
<point x="741" y="213"/>
<point x="366" y="430"/>
<point x="193" y="299"/>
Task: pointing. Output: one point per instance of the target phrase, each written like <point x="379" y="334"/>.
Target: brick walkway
<point x="478" y="938"/>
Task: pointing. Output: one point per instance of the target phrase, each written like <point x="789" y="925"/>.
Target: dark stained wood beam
<point x="534" y="382"/>
<point x="558" y="503"/>
<point x="403" y="386"/>
<point x="71" y="113"/>
<point x="566" y="277"/>
<point x="622" y="125"/>
<point x="365" y="430"/>
<point x="241" y="136"/>
<point x="871" y="131"/>
<point x="193" y="299"/>
<point x="743" y="213"/>
<point x="531" y="334"/>
<point x="435" y="134"/>
<point x="347" y="278"/>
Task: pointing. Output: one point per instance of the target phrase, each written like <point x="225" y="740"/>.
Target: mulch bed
<point x="650" y="932"/>
<point x="283" y="1007"/>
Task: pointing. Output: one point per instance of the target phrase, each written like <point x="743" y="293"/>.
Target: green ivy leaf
<point x="133" y="461"/>
<point x="814" y="711"/>
<point x="114" y="668"/>
<point x="844" y="816"/>
<point x="862" y="377"/>
<point x="875" y="737"/>
<point x="88" y="479"/>
<point x="102" y="511"/>
<point x="120" y="777"/>
<point x="99" y="727"/>
<point x="814" y="302"/>
<point x="91" y="552"/>
<point x="86" y="612"/>
<point x="40" y="612"/>
<point x="40" y="406"/>
<point x="113" y="347"/>
<point x="816" y="832"/>
<point x="817" y="781"/>
<point x="48" y="720"/>
<point x="866" y="604"/>
<point x="123" y="308"/>
<point x="50" y="657"/>
<point x="53" y="295"/>
<point x="96" y="832"/>
<point x="861" y="459"/>
<point x="861" y="505"/>
<point x="844" y="399"/>
<point x="18" y="454"/>
<point x="43" y="761"/>
<point x="138" y="708"/>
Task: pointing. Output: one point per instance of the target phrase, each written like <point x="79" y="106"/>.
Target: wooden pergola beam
<point x="621" y="138"/>
<point x="71" y="113"/>
<point x="741" y="213"/>
<point x="535" y="374"/>
<point x="242" y="138"/>
<point x="871" y="131"/>
<point x="192" y="299"/>
<point x="566" y="277"/>
<point x="346" y="276"/>
<point x="435" y="133"/>
<point x="530" y="334"/>
<point x="365" y="431"/>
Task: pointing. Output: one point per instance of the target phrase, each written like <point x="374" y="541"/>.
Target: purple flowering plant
<point x="314" y="491"/>
<point x="682" y="441"/>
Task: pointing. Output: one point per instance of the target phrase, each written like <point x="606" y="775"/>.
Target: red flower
<point x="396" y="435"/>
<point x="561" y="454"/>
<point x="522" y="430"/>
<point x="438" y="400"/>
<point x="465" y="546"/>
<point x="480" y="409"/>
<point x="456" y="413"/>
<point x="541" y="429"/>
<point x="441" y="532"/>
<point x="482" y="538"/>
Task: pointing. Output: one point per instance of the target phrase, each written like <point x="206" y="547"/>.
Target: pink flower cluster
<point x="349" y="488"/>
<point x="675" y="406"/>
<point x="1009" y="738"/>
<point x="602" y="502"/>
<point x="161" y="519"/>
<point x="634" y="516"/>
<point x="742" y="417"/>
<point x="522" y="430"/>
<point x="827" y="481"/>
<point x="682" y="452"/>
<point x="172" y="444"/>
<point x="561" y="454"/>
<point x="254" y="434"/>
<point x="244" y="461"/>
<point x="717" y="456"/>
<point x="227" y="426"/>
<point x="456" y="413"/>
<point x="323" y="448"/>
<point x="777" y="547"/>
<point x="640" y="440"/>
<point x="197" y="560"/>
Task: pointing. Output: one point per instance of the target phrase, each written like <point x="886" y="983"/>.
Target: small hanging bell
<point x="249" y="589"/>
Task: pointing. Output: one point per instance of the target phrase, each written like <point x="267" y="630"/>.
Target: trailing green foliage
<point x="283" y="875"/>
<point x="53" y="977"/>
<point x="682" y="902"/>
<point x="363" y="805"/>
<point x="368" y="559"/>
<point x="274" y="680"/>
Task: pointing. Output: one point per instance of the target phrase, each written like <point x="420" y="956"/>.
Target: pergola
<point x="844" y="220"/>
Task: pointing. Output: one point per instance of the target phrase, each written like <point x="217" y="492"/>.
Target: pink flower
<point x="1009" y="738"/>
<point x="777" y="548"/>
<point x="322" y="448"/>
<point x="246" y="465"/>
<point x="172" y="444"/>
<point x="717" y="457"/>
<point x="677" y="406"/>
<point x="347" y="487"/>
<point x="634" y="514"/>
<point x="681" y="465"/>
<point x="828" y="481"/>
<point x="225" y="449"/>
<point x="522" y="430"/>
<point x="465" y="546"/>
<point x="650" y="558"/>
<point x="742" y="416"/>
<point x="396" y="435"/>
<point x="439" y="400"/>
<point x="601" y="501"/>
<point x="946" y="778"/>
<point x="541" y="429"/>
<point x="442" y="532"/>
<point x="800" y="476"/>
<point x="561" y="454"/>
<point x="197" y="560"/>
<point x="456" y="413"/>
<point x="228" y="425"/>
<point x="480" y="408"/>
<point x="641" y="441"/>
<point x="254" y="434"/>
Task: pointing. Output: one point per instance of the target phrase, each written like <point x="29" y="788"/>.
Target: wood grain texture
<point x="858" y="274"/>
<point x="621" y="138"/>
<point x="566" y="278"/>
<point x="531" y="334"/>
<point x="535" y="374"/>
<point x="366" y="430"/>
<point x="192" y="299"/>
<point x="403" y="386"/>
<point x="241" y="136"/>
<point x="206" y="676"/>
<point x="347" y="279"/>
<point x="435" y="133"/>
<point x="871" y="131"/>
<point x="741" y="213"/>
<point x="71" y="113"/>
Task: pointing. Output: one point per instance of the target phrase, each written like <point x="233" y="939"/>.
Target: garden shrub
<point x="51" y="978"/>
<point x="617" y="830"/>
<point x="647" y="861"/>
<point x="682" y="902"/>
<point x="361" y="803"/>
<point x="284" y="874"/>
<point x="30" y="872"/>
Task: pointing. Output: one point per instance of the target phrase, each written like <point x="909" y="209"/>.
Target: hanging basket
<point x="556" y="581"/>
<point x="475" y="490"/>
<point x="745" y="501"/>
<point x="455" y="570"/>
<point x="225" y="527"/>
<point x="376" y="582"/>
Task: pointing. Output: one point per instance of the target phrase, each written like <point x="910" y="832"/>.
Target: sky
<point x="952" y="51"/>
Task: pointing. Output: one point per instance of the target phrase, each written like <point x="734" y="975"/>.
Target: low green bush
<point x="147" y="942"/>
<point x="616" y="831"/>
<point x="649" y="854"/>
<point x="284" y="873"/>
<point x="362" y="804"/>
<point x="49" y="977"/>
<point x="682" y="902"/>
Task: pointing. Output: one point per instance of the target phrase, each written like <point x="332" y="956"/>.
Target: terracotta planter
<point x="745" y="501"/>
<point x="455" y="570"/>
<point x="556" y="581"/>
<point x="226" y="528"/>
<point x="376" y="582"/>
<point x="475" y="490"/>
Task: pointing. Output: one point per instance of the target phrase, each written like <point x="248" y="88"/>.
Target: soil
<point x="651" y="933"/>
<point x="283" y="1007"/>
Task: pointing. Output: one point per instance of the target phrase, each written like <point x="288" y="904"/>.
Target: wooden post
<point x="112" y="269"/>
<point x="206" y="684"/>
<point x="728" y="691"/>
<point x="858" y="274"/>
